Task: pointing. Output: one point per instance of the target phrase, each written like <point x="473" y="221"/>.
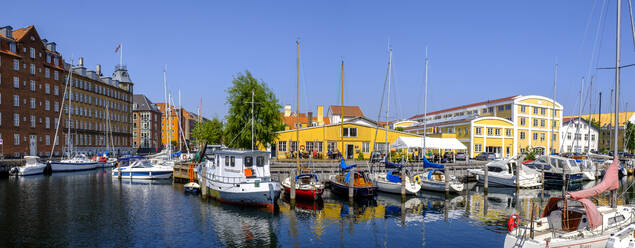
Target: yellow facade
<point x="328" y="137"/>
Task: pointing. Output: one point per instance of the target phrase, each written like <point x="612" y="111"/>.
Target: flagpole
<point x="121" y="54"/>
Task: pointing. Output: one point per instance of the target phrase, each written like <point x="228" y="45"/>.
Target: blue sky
<point x="478" y="50"/>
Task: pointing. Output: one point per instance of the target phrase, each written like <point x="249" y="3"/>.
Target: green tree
<point x="630" y="136"/>
<point x="401" y="129"/>
<point x="266" y="112"/>
<point x="210" y="132"/>
<point x="174" y="143"/>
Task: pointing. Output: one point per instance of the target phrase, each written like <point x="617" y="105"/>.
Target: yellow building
<point x="506" y="126"/>
<point x="359" y="136"/>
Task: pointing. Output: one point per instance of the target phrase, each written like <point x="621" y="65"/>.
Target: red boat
<point x="307" y="186"/>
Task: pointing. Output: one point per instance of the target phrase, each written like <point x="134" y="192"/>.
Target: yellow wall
<point x="485" y="139"/>
<point x="331" y="133"/>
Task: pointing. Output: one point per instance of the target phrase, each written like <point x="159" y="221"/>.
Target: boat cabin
<point x="558" y="163"/>
<point x="502" y="166"/>
<point x="239" y="163"/>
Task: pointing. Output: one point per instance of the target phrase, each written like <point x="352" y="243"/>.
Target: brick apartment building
<point x="101" y="111"/>
<point x="146" y="125"/>
<point x="31" y="85"/>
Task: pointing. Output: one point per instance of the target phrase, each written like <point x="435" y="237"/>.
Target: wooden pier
<point x="181" y="172"/>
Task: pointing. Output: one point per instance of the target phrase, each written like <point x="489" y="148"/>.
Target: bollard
<point x="596" y="170"/>
<point x="118" y="169"/>
<point x="447" y="180"/>
<point x="517" y="175"/>
<point x="351" y="184"/>
<point x="292" y="181"/>
<point x="485" y="186"/>
<point x="204" y="182"/>
<point x="403" y="186"/>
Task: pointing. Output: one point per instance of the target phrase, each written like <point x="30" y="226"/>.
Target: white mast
<point x="617" y="91"/>
<point x="425" y="105"/>
<point x="388" y="104"/>
<point x="252" y="120"/>
<point x="589" y="119"/>
<point x="179" y="120"/>
<point x="577" y="126"/>
<point x="70" y="108"/>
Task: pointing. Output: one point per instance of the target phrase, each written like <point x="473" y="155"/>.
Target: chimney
<point x="309" y="121"/>
<point x="287" y="110"/>
<point x="320" y="118"/>
<point x="7" y="31"/>
<point x="99" y="70"/>
<point x="80" y="63"/>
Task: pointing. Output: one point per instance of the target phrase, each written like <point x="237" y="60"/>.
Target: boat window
<point x="494" y="169"/>
<point x="554" y="162"/>
<point x="616" y="219"/>
<point x="572" y="163"/>
<point x="561" y="164"/>
<point x="248" y="161"/>
<point x="233" y="161"/>
<point x="226" y="160"/>
<point x="260" y="161"/>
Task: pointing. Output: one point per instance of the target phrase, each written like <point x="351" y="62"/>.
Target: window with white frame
<point x="16" y="139"/>
<point x="350" y="132"/>
<point x="16" y="120"/>
<point x="309" y="146"/>
<point x="33" y="121"/>
<point x="478" y="131"/>
<point x="32" y="52"/>
<point x="47" y="88"/>
<point x="535" y="110"/>
<point x="366" y="147"/>
<point x="542" y="123"/>
<point x="282" y="146"/>
<point x="32" y="85"/>
<point x="47" y="122"/>
<point x="535" y="136"/>
<point x="56" y="90"/>
<point x="535" y="122"/>
<point x="16" y="82"/>
<point x="56" y="106"/>
<point x="47" y="73"/>
<point x="523" y="109"/>
<point x="543" y="111"/>
<point x="56" y="75"/>
<point x="32" y="69"/>
<point x="47" y="105"/>
<point x="32" y="103"/>
<point x="490" y="131"/>
<point x="293" y="146"/>
<point x="542" y="136"/>
<point x="47" y="138"/>
<point x="508" y="132"/>
<point x="497" y="132"/>
<point x="478" y="147"/>
<point x="16" y="64"/>
<point x="522" y="121"/>
<point x="16" y="101"/>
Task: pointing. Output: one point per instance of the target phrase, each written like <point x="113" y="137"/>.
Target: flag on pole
<point x="117" y="49"/>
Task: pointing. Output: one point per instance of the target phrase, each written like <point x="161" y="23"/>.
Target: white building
<point x="576" y="137"/>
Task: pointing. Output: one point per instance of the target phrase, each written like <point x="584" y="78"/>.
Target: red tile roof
<point x="349" y="111"/>
<point x="467" y="106"/>
<point x="290" y="120"/>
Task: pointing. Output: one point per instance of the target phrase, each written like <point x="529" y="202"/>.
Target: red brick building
<point x="146" y="125"/>
<point x="31" y="88"/>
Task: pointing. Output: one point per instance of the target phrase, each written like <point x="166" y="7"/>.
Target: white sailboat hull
<point x="63" y="166"/>
<point x="143" y="173"/>
<point x="395" y="188"/>
<point x="506" y="180"/>
<point x="438" y="186"/>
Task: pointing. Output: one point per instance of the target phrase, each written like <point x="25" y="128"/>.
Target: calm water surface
<point x="90" y="209"/>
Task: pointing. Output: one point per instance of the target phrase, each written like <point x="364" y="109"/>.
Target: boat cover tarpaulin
<point x="428" y="164"/>
<point x="343" y="165"/>
<point x="391" y="165"/>
<point x="392" y="178"/>
<point x="431" y="143"/>
<point x="592" y="213"/>
<point x="609" y="182"/>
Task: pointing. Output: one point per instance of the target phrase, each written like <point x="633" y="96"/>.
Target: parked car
<point x="460" y="156"/>
<point x="486" y="156"/>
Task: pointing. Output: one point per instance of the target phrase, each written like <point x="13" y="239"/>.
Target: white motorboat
<point x="32" y="167"/>
<point x="556" y="168"/>
<point x="239" y="177"/>
<point x="192" y="187"/>
<point x="578" y="223"/>
<point x="502" y="172"/>
<point x="143" y="169"/>
<point x="77" y="163"/>
<point x="588" y="169"/>
<point x="433" y="179"/>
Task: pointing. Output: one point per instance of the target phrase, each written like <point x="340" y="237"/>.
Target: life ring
<point x="512" y="222"/>
<point x="417" y="179"/>
<point x="302" y="147"/>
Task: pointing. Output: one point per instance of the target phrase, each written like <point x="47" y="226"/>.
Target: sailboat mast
<point x="553" y="111"/>
<point x="588" y="150"/>
<point x="70" y="109"/>
<point x="342" y="114"/>
<point x="165" y="97"/>
<point x="181" y="137"/>
<point x="425" y="105"/>
<point x="388" y="102"/>
<point x="297" y="104"/>
<point x="617" y="92"/>
<point x="577" y="126"/>
<point x="252" y="120"/>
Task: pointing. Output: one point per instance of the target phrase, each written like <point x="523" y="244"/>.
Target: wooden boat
<point x="307" y="186"/>
<point x="362" y="185"/>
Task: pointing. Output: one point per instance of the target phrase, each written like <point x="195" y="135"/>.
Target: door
<point x="32" y="145"/>
<point x="349" y="151"/>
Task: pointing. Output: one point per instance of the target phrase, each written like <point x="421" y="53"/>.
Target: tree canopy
<point x="210" y="132"/>
<point x="266" y="113"/>
<point x="630" y="137"/>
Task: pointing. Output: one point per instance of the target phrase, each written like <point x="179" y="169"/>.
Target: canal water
<point x="90" y="209"/>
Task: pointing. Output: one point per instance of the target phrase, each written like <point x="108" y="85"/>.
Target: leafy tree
<point x="210" y="132"/>
<point x="399" y="129"/>
<point x="630" y="136"/>
<point x="266" y="113"/>
<point x="174" y="143"/>
<point x="360" y="156"/>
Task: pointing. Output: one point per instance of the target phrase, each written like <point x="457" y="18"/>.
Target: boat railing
<point x="223" y="179"/>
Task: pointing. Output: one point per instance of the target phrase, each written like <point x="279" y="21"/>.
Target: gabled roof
<point x="303" y="119"/>
<point x="142" y="103"/>
<point x="18" y="34"/>
<point x="349" y="111"/>
<point x="504" y="99"/>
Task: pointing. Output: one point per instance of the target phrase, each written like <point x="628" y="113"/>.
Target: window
<point x="569" y="136"/>
<point x="497" y="132"/>
<point x="508" y="132"/>
<point x="32" y="103"/>
<point x="501" y="107"/>
<point x="484" y="110"/>
<point x="13" y="47"/>
<point x="32" y="52"/>
<point x="32" y="69"/>
<point x="350" y="132"/>
<point x="508" y="107"/>
<point x="543" y="111"/>
<point x="535" y="122"/>
<point x="16" y="82"/>
<point x="293" y="146"/>
<point x="56" y="75"/>
<point x="490" y="131"/>
<point x="47" y="138"/>
<point x="226" y="160"/>
<point x="33" y="121"/>
<point x="592" y="137"/>
<point x="16" y="139"/>
<point x="260" y="161"/>
<point x="47" y="73"/>
<point x="523" y="109"/>
<point x="56" y="90"/>
<point x="535" y="110"/>
<point x="330" y="146"/>
<point x="16" y="101"/>
<point x="478" y="147"/>
<point x="16" y="64"/>
<point x="553" y="137"/>
<point x="491" y="109"/>
<point x="47" y="105"/>
<point x="318" y="146"/>
<point x="366" y="147"/>
<point x="542" y="136"/>
<point x="248" y="161"/>
<point x="232" y="161"/>
<point x="47" y="88"/>
<point x="56" y="106"/>
<point x="309" y="146"/>
<point x="522" y="135"/>
<point x="535" y="136"/>
<point x="32" y="85"/>
<point x="478" y="131"/>
<point x="522" y="121"/>
<point x="16" y="120"/>
<point x="586" y="136"/>
<point x="47" y="122"/>
<point x="578" y="136"/>
<point x="542" y="123"/>
<point x="56" y="60"/>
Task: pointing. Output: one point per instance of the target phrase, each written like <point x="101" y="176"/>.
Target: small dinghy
<point x="192" y="187"/>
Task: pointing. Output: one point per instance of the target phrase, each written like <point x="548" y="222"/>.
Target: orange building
<point x="180" y="120"/>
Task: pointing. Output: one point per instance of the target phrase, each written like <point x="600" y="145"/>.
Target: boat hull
<point x="341" y="189"/>
<point x="556" y="178"/>
<point x="591" y="242"/>
<point x="146" y="175"/>
<point x="62" y="167"/>
<point x="395" y="188"/>
<point x="440" y="186"/>
<point x="265" y="194"/>
<point x="305" y="193"/>
<point x="30" y="170"/>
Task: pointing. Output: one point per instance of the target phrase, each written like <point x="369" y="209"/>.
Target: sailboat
<point x="74" y="162"/>
<point x="433" y="179"/>
<point x="307" y="185"/>
<point x="362" y="184"/>
<point x="573" y="220"/>
<point x="391" y="181"/>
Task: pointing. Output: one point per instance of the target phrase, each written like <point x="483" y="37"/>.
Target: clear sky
<point x="478" y="50"/>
